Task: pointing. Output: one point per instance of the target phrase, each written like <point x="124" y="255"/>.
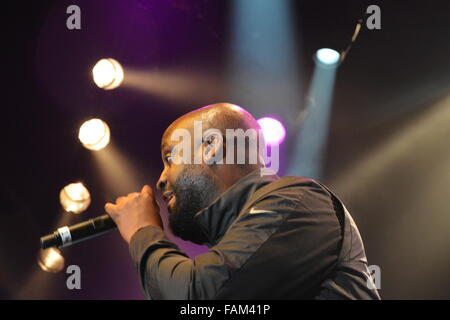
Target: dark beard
<point x="194" y="191"/>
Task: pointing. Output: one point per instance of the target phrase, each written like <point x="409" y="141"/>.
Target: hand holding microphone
<point x="135" y="211"/>
<point x="128" y="214"/>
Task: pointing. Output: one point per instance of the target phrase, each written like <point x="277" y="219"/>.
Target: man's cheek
<point x="175" y="176"/>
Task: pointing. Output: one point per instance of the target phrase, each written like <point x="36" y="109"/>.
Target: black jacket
<point x="269" y="238"/>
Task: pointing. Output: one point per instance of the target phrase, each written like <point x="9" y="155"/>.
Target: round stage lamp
<point x="273" y="130"/>
<point x="94" y="134"/>
<point x="75" y="198"/>
<point x="108" y="74"/>
<point x="328" y="57"/>
<point x="50" y="260"/>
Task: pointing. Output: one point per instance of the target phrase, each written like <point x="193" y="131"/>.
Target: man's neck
<point x="230" y="174"/>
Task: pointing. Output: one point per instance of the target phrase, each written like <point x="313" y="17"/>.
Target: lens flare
<point x="94" y="134"/>
<point x="108" y="74"/>
<point x="273" y="130"/>
<point x="327" y="56"/>
<point x="75" y="198"/>
<point x="50" y="260"/>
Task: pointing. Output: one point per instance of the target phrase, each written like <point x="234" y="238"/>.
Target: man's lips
<point x="170" y="201"/>
<point x="168" y="196"/>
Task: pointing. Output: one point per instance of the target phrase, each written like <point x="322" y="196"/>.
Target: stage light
<point x="263" y="33"/>
<point x="75" y="198"/>
<point x="51" y="260"/>
<point x="274" y="132"/>
<point x="308" y="155"/>
<point x="309" y="151"/>
<point x="327" y="56"/>
<point x="94" y="134"/>
<point x="108" y="74"/>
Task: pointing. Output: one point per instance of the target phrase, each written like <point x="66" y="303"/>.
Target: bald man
<point x="269" y="237"/>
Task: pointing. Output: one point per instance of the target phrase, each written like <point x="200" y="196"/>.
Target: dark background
<point x="388" y="149"/>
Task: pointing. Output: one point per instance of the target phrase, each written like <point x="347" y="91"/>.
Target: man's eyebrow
<point x="165" y="148"/>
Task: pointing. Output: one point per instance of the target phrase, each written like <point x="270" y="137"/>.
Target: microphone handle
<point x="66" y="236"/>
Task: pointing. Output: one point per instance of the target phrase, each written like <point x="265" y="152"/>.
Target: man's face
<point x="187" y="189"/>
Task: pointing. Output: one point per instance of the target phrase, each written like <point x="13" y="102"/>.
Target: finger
<point x="133" y="195"/>
<point x="147" y="190"/>
<point x="110" y="208"/>
<point x="119" y="200"/>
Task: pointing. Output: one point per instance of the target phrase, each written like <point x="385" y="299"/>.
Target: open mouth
<point x="168" y="198"/>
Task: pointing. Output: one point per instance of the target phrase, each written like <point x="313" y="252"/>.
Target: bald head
<point x="225" y="127"/>
<point x="219" y="116"/>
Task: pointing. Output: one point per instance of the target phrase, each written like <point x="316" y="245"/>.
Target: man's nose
<point x="162" y="181"/>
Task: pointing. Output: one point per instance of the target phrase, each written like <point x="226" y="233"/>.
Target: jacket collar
<point x="215" y="219"/>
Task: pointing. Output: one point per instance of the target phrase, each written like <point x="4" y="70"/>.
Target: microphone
<point x="66" y="236"/>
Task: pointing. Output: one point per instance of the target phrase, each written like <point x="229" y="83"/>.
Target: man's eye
<point x="168" y="159"/>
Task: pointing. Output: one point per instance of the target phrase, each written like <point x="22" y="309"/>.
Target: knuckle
<point x="147" y="189"/>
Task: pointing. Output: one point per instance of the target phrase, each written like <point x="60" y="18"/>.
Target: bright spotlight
<point x="108" y="74"/>
<point x="327" y="56"/>
<point x="273" y="130"/>
<point x="94" y="134"/>
<point x="75" y="198"/>
<point x="51" y="260"/>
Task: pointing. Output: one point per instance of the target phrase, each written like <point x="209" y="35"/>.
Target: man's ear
<point x="213" y="147"/>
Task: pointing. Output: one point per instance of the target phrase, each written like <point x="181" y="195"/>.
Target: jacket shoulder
<point x="295" y="189"/>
